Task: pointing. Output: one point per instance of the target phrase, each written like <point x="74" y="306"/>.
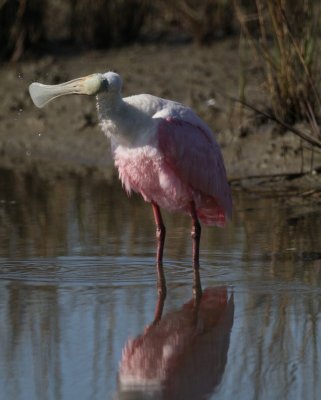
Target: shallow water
<point x="78" y="295"/>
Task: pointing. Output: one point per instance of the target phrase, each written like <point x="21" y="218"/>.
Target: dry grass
<point x="285" y="39"/>
<point x="285" y="36"/>
<point x="31" y="24"/>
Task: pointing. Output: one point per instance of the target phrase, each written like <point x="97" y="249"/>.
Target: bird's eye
<point x="104" y="85"/>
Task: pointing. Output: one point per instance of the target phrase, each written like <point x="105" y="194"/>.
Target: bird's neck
<point x="108" y="104"/>
<point x="125" y="124"/>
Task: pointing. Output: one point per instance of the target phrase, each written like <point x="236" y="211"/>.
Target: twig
<point x="268" y="176"/>
<point x="308" y="138"/>
<point x="299" y="53"/>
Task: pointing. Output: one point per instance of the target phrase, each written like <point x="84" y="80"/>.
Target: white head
<point x="113" y="82"/>
<point x="109" y="83"/>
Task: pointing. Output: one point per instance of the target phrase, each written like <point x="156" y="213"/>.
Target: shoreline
<point x="64" y="138"/>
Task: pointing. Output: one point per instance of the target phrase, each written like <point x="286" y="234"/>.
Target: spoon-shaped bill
<point x="41" y="94"/>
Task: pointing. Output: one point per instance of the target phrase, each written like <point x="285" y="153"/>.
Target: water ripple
<point x="103" y="270"/>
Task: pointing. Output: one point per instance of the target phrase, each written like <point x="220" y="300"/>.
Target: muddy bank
<point x="63" y="138"/>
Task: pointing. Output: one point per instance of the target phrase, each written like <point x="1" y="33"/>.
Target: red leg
<point x="161" y="285"/>
<point x="160" y="235"/>
<point x="160" y="232"/>
<point x="196" y="236"/>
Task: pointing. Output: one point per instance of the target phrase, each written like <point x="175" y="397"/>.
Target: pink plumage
<point x="165" y="152"/>
<point x="184" y="344"/>
<point x="162" y="150"/>
<point x="179" y="164"/>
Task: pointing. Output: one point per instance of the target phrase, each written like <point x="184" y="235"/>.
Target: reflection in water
<point x="77" y="279"/>
<point x="75" y="216"/>
<point x="183" y="355"/>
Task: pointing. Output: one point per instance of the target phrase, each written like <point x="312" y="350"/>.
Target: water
<point x="78" y="282"/>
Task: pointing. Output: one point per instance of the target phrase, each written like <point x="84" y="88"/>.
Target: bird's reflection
<point x="181" y="355"/>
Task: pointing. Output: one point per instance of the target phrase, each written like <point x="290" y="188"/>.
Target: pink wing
<point x="193" y="154"/>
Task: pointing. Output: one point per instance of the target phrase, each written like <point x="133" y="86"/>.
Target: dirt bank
<point x="63" y="138"/>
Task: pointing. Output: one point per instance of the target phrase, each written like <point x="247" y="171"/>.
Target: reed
<point x="30" y="25"/>
<point x="284" y="35"/>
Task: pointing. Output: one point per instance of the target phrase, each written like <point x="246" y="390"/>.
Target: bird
<point x="162" y="150"/>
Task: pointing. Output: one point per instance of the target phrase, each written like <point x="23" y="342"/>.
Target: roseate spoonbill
<point x="162" y="360"/>
<point x="162" y="150"/>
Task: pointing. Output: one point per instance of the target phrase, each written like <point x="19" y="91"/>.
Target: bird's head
<point x="94" y="84"/>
